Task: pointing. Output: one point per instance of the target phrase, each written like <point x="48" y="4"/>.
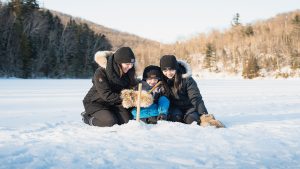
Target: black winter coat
<point x="107" y="86"/>
<point x="188" y="98"/>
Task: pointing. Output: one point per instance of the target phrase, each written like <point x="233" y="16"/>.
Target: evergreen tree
<point x="26" y="54"/>
<point x="210" y="53"/>
<point x="32" y="4"/>
<point x="35" y="44"/>
<point x="236" y="20"/>
<point x="295" y="60"/>
<point x="296" y="22"/>
<point x="250" y="68"/>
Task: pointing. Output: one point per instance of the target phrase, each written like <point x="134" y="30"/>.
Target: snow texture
<point x="40" y="127"/>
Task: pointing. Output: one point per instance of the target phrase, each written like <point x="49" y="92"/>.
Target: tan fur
<point x="101" y="57"/>
<point x="129" y="98"/>
<point x="126" y="96"/>
<point x="146" y="99"/>
<point x="209" y="120"/>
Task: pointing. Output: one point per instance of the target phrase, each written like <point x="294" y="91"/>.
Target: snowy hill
<point x="40" y="127"/>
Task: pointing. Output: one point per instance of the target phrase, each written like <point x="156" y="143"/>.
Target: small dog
<point x="130" y="97"/>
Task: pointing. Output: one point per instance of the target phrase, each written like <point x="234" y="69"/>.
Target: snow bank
<point x="40" y="127"/>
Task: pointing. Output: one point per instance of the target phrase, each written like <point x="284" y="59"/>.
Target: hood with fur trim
<point x="102" y="56"/>
<point x="185" y="68"/>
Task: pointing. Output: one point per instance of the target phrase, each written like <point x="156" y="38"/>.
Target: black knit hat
<point x="124" y="55"/>
<point x="152" y="72"/>
<point x="168" y="62"/>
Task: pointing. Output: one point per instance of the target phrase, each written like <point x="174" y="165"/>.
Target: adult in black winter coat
<point x="186" y="104"/>
<point x="103" y="103"/>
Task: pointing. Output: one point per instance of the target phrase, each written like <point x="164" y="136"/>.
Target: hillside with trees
<point x="145" y="50"/>
<point x="38" y="43"/>
<point x="264" y="48"/>
<point x="35" y="43"/>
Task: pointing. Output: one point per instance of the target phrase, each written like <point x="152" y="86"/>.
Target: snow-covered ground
<point x="40" y="127"/>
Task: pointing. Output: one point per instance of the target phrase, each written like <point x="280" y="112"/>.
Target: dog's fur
<point x="209" y="120"/>
<point x="130" y="98"/>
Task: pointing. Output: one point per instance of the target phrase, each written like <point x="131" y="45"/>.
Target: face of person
<point x="169" y="73"/>
<point x="126" y="67"/>
<point x="152" y="81"/>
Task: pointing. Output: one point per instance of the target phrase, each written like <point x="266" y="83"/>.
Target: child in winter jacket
<point x="159" y="109"/>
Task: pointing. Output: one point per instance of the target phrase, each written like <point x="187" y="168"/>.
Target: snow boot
<point x="209" y="120"/>
<point x="86" y="118"/>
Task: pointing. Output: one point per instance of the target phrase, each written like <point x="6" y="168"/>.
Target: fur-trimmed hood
<point x="185" y="68"/>
<point x="101" y="58"/>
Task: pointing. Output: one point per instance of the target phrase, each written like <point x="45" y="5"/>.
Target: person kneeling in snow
<point x="187" y="105"/>
<point x="159" y="109"/>
<point x="115" y="73"/>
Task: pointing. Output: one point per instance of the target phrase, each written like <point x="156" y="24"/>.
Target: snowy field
<point x="40" y="127"/>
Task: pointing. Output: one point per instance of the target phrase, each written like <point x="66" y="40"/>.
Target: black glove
<point x="162" y="117"/>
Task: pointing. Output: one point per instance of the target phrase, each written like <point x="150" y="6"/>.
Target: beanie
<point x="152" y="72"/>
<point x="168" y="62"/>
<point x="124" y="55"/>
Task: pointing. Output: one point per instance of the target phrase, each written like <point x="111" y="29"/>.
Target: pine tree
<point x="36" y="44"/>
<point x="295" y="60"/>
<point x="26" y="54"/>
<point x="210" y="58"/>
<point x="32" y="4"/>
<point x="236" y="20"/>
<point x="250" y="68"/>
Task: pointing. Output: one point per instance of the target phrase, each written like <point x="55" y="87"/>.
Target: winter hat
<point x="168" y="62"/>
<point x="152" y="72"/>
<point x="124" y="55"/>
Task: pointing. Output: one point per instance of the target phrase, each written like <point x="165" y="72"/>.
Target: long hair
<point x="178" y="81"/>
<point x="131" y="75"/>
<point x="177" y="84"/>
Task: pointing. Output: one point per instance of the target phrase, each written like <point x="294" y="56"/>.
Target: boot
<point x="85" y="118"/>
<point x="209" y="120"/>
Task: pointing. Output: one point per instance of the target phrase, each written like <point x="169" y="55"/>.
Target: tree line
<point x="35" y="43"/>
<point x="263" y="48"/>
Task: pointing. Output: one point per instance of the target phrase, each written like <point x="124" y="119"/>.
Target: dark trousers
<point x="150" y="120"/>
<point x="178" y="115"/>
<point x="106" y="118"/>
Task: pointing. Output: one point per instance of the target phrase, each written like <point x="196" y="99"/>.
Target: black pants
<point x="178" y="115"/>
<point x="106" y="118"/>
<point x="150" y="120"/>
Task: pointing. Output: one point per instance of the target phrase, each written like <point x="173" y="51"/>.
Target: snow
<point x="40" y="127"/>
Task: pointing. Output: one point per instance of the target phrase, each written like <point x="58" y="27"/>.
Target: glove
<point x="162" y="116"/>
<point x="209" y="120"/>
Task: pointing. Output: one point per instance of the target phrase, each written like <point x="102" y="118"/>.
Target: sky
<point x="170" y="20"/>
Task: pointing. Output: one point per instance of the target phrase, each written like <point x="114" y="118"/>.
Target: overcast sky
<point x="170" y="20"/>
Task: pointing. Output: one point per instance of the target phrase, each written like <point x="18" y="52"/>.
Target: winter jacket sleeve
<point x="195" y="96"/>
<point x="104" y="90"/>
<point x="163" y="105"/>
